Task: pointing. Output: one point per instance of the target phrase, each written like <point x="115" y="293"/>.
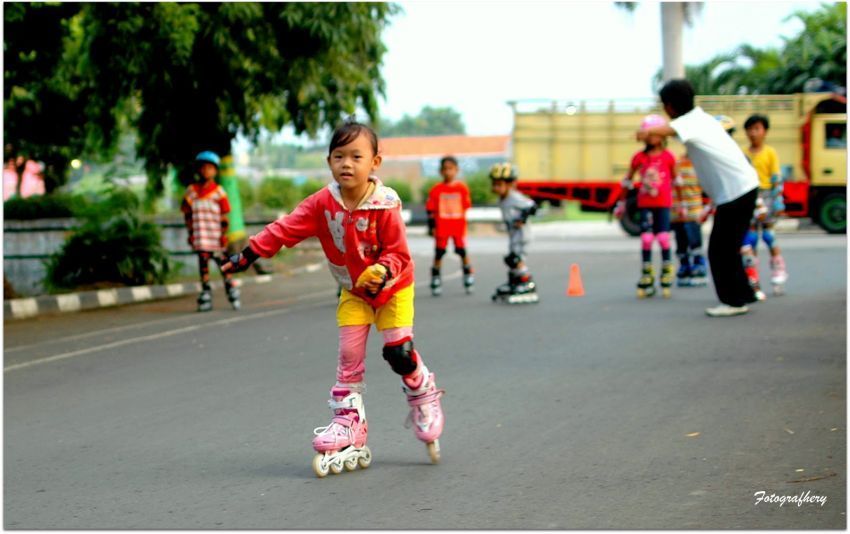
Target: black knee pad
<point x="512" y="260"/>
<point x="439" y="253"/>
<point x="401" y="357"/>
<point x="460" y="252"/>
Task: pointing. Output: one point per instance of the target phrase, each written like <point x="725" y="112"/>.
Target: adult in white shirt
<point x="727" y="178"/>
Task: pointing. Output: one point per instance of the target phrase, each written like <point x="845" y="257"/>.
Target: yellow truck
<point x="581" y="150"/>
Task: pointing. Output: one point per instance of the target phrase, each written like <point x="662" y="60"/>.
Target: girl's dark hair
<point x="679" y="94"/>
<point x="448" y="159"/>
<point x="755" y="119"/>
<point x="349" y="131"/>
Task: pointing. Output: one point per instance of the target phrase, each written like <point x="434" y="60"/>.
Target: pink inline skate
<point x="342" y="444"/>
<point x="779" y="275"/>
<point x="426" y="414"/>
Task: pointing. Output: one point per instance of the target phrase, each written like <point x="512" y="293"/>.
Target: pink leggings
<point x="352" y="350"/>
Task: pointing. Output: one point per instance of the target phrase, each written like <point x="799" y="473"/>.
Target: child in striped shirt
<point x="205" y="208"/>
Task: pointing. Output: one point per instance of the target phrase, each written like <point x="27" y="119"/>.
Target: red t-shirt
<point x="448" y="203"/>
<point x="656" y="173"/>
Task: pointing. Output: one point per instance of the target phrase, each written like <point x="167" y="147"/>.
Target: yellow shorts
<point x="397" y="312"/>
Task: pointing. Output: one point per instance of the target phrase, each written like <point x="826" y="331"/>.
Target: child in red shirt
<point x="358" y="222"/>
<point x="655" y="167"/>
<point x="205" y="208"/>
<point x="446" y="206"/>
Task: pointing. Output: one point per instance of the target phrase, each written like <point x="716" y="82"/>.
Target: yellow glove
<point x="372" y="278"/>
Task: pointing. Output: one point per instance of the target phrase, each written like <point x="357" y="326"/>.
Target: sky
<point x="475" y="55"/>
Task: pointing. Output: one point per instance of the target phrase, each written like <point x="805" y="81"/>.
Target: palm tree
<point x="674" y="17"/>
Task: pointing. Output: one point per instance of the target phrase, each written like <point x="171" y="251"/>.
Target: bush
<point x="405" y="193"/>
<point x="479" y="188"/>
<point x="113" y="246"/>
<point x="246" y="193"/>
<point x="52" y="206"/>
<point x="311" y="186"/>
<point x="278" y="193"/>
<point x="427" y="186"/>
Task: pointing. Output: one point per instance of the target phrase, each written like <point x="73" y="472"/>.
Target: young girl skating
<point x="655" y="167"/>
<point x="358" y="221"/>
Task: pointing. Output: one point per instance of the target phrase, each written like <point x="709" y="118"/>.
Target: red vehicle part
<point x="597" y="196"/>
<point x="796" y="197"/>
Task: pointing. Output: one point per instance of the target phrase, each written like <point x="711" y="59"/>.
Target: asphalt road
<point x="594" y="412"/>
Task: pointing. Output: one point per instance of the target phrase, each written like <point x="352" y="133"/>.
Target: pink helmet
<point x="652" y="120"/>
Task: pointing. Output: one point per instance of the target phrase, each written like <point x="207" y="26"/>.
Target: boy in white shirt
<point x="727" y="178"/>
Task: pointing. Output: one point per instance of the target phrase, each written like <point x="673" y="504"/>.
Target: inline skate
<point x="205" y="299"/>
<point x="778" y="275"/>
<point x="426" y="413"/>
<point x="646" y="283"/>
<point x="342" y="444"/>
<point x="751" y="268"/>
<point x="666" y="279"/>
<point x="436" y="283"/>
<point x="233" y="294"/>
<point x="699" y="272"/>
<point x="520" y="289"/>
<point x="468" y="279"/>
<point x="683" y="275"/>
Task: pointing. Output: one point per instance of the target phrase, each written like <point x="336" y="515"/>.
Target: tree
<point x="818" y="51"/>
<point x="674" y="16"/>
<point x="43" y="107"/>
<point x="429" y="121"/>
<point x="191" y="76"/>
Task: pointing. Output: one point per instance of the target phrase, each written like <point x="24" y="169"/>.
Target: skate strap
<point x="351" y="402"/>
<point x="341" y="420"/>
<point x="426" y="398"/>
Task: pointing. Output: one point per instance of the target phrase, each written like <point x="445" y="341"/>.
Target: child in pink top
<point x="358" y="222"/>
<point x="655" y="167"/>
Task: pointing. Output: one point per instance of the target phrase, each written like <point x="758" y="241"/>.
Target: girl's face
<point x="352" y="164"/>
<point x="207" y="171"/>
<point x="654" y="140"/>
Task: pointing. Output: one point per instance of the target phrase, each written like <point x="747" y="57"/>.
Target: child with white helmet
<point x="654" y="167"/>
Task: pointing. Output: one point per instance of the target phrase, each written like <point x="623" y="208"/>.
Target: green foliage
<point x="430" y="121"/>
<point x="427" y="185"/>
<point x="43" y="103"/>
<point x="278" y="193"/>
<point x="405" y="192"/>
<point x="246" y="193"/>
<point x="818" y="51"/>
<point x="311" y="186"/>
<point x="57" y="205"/>
<point x="480" y="188"/>
<point x="191" y="75"/>
<point x="113" y="246"/>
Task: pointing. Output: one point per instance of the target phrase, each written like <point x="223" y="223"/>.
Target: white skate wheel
<point x="365" y="459"/>
<point x="434" y="451"/>
<point x="336" y="467"/>
<point x="350" y="464"/>
<point x="319" y="466"/>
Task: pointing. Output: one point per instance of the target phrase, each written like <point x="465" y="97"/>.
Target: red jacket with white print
<point x="352" y="240"/>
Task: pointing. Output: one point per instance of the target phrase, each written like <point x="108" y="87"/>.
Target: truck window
<point x="836" y="135"/>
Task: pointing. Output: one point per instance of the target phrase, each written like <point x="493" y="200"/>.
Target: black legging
<point x="731" y="222"/>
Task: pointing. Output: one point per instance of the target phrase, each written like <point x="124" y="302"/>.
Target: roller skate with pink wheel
<point x="778" y="275"/>
<point x="342" y="444"/>
<point x="426" y="413"/>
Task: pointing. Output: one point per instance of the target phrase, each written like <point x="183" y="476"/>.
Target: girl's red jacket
<point x="352" y="240"/>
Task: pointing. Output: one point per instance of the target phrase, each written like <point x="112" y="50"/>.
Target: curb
<point x="25" y="308"/>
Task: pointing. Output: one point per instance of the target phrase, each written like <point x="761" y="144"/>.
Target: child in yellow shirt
<point x="766" y="162"/>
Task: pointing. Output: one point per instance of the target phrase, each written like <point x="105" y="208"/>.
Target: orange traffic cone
<point x="575" y="288"/>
